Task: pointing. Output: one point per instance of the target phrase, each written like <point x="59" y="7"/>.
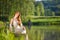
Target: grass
<point x="45" y="20"/>
<point x="36" y="33"/>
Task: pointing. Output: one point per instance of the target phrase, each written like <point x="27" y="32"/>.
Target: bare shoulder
<point x="11" y="20"/>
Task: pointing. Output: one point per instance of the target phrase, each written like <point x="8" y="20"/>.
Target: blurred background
<point x="44" y="16"/>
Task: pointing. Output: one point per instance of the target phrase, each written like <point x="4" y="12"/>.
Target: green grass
<point x="36" y="33"/>
<point x="44" y="20"/>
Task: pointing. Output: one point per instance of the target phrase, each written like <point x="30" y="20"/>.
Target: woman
<point x="17" y="24"/>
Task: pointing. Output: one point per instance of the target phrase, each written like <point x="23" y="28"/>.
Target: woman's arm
<point x="11" y="21"/>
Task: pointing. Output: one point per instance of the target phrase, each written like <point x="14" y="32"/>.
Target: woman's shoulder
<point x="11" y="19"/>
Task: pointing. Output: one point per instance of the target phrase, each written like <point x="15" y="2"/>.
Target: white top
<point x="18" y="28"/>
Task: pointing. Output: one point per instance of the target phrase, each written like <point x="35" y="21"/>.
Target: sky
<point x="38" y="0"/>
<point x="41" y="0"/>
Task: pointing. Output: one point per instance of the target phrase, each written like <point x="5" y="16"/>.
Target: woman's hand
<point x="24" y="28"/>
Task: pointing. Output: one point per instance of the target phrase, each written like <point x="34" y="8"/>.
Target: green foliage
<point x="53" y="13"/>
<point x="36" y="33"/>
<point x="25" y="7"/>
<point x="27" y="10"/>
<point x="42" y="9"/>
<point x="39" y="9"/>
<point x="5" y="34"/>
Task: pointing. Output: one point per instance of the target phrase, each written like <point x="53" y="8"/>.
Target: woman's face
<point x="17" y="14"/>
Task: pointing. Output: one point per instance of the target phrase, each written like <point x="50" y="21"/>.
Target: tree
<point x="5" y="6"/>
<point x="42" y="9"/>
<point x="26" y="7"/>
<point x="39" y="8"/>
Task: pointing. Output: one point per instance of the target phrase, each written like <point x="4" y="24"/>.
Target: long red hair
<point x="18" y="17"/>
